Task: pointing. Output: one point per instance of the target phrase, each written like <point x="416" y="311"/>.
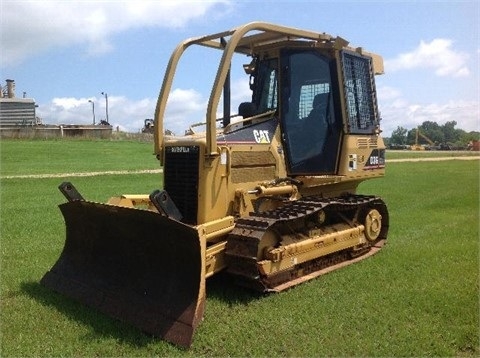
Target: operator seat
<point x="247" y="109"/>
<point x="319" y="105"/>
<point x="316" y="126"/>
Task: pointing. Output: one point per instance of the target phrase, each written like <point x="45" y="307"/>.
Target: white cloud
<point x="241" y="92"/>
<point x="184" y="107"/>
<point x="69" y="103"/>
<point x="32" y="27"/>
<point x="388" y="93"/>
<point x="128" y="115"/>
<point x="399" y="111"/>
<point x="437" y="55"/>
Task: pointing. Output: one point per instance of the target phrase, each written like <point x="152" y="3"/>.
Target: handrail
<point x="237" y="42"/>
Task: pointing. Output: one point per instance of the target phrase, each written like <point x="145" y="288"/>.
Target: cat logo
<point x="261" y="136"/>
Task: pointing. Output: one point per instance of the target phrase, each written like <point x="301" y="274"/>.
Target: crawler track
<point x="252" y="237"/>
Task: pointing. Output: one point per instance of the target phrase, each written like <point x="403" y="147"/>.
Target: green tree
<point x="451" y="135"/>
<point x="445" y="134"/>
<point x="411" y="136"/>
<point x="467" y="137"/>
<point x="399" y="136"/>
<point x="432" y="131"/>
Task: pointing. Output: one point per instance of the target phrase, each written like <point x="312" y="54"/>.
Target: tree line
<point x="432" y="134"/>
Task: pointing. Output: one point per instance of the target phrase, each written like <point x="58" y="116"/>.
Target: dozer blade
<point x="135" y="265"/>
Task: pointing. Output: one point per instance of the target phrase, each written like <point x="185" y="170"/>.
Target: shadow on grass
<point x="223" y="288"/>
<point x="220" y="287"/>
<point x="100" y="324"/>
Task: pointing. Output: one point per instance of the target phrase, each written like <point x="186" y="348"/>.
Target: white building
<point x="15" y="111"/>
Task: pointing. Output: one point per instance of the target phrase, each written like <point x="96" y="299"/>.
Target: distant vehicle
<point x="148" y="126"/>
<point x="398" y="146"/>
<point x="474" y="145"/>
<point x="444" y="146"/>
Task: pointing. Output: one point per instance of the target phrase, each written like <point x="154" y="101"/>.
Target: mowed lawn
<point x="419" y="296"/>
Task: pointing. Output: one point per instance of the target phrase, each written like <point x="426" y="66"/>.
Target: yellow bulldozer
<point x="267" y="195"/>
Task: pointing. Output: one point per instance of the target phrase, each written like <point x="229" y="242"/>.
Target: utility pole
<point x="106" y="106"/>
<point x="93" y="110"/>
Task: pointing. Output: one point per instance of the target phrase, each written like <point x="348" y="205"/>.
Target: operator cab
<point x="302" y="85"/>
<point x="305" y="85"/>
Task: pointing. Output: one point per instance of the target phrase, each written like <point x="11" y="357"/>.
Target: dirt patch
<point x="155" y="171"/>
<point x="436" y="159"/>
<point x="84" y="174"/>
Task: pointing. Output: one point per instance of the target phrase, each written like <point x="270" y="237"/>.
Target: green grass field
<point x="418" y="297"/>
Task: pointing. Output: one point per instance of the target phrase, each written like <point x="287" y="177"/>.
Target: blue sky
<point x="65" y="53"/>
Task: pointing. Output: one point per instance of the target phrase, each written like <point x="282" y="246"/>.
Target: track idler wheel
<point x="373" y="225"/>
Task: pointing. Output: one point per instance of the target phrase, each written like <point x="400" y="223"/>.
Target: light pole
<point x="106" y="106"/>
<point x="93" y="110"/>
